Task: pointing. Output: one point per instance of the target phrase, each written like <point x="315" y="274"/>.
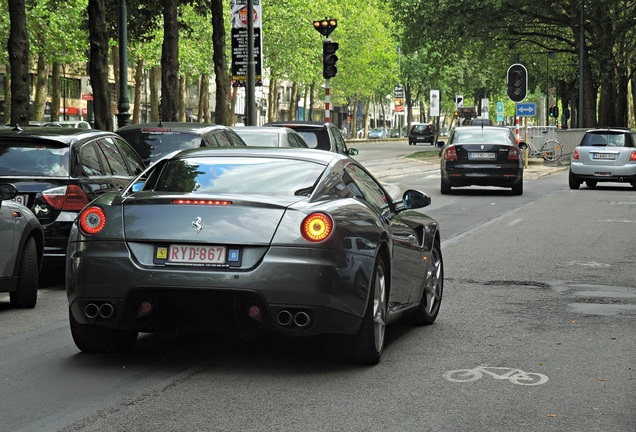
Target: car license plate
<point x="21" y="199"/>
<point x="607" y="156"/>
<point x="193" y="254"/>
<point x="481" y="155"/>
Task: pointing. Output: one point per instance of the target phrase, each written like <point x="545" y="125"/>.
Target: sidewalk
<point x="387" y="169"/>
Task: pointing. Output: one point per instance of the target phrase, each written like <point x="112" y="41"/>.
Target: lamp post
<point x="123" y="105"/>
<point x="547" y="86"/>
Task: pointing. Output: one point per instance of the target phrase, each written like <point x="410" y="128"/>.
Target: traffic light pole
<point x="327" y="102"/>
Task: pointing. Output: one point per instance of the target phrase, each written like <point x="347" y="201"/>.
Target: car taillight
<point x="575" y="155"/>
<point x="513" y="154"/>
<point x="316" y="227"/>
<point x="632" y="156"/>
<point x="69" y="198"/>
<point x="451" y="153"/>
<point x="92" y="220"/>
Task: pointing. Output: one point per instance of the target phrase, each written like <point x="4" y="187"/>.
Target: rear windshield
<point x="259" y="139"/>
<point x="316" y="138"/>
<point x="154" y="145"/>
<point x="480" y="135"/>
<point x="253" y="175"/>
<point x="421" y="128"/>
<point x="34" y="160"/>
<point x="606" y="139"/>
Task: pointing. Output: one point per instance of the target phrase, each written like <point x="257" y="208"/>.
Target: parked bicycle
<point x="550" y="150"/>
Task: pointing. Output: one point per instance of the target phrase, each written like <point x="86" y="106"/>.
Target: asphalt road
<point x="535" y="334"/>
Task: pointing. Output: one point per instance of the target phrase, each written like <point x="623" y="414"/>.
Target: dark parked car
<point x="482" y="156"/>
<point x="322" y="136"/>
<point x="604" y="155"/>
<point x="21" y="240"/>
<point x="254" y="240"/>
<point x="155" y="140"/>
<point x="60" y="170"/>
<point x="269" y="136"/>
<point x="421" y="132"/>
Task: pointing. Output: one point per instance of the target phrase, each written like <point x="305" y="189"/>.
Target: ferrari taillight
<point x="450" y="153"/>
<point x="317" y="227"/>
<point x="92" y="220"/>
<point x="69" y="198"/>
<point x="575" y="155"/>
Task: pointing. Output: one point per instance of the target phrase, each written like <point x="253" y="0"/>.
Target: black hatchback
<point x="59" y="170"/>
<point x="152" y="141"/>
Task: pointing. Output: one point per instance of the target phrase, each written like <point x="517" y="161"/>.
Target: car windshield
<point x="603" y="139"/>
<point x="154" y="145"/>
<point x="481" y="135"/>
<point x="33" y="160"/>
<point x="420" y="128"/>
<point x="246" y="175"/>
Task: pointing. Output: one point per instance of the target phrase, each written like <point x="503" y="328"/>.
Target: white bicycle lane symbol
<point x="515" y="376"/>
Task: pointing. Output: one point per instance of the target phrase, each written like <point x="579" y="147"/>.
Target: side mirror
<point x="523" y="145"/>
<point x="440" y="144"/>
<point x="8" y="191"/>
<point x="352" y="151"/>
<point x="414" y="199"/>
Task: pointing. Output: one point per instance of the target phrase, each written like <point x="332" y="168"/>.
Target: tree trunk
<point x="222" y="115"/>
<point x="154" y="78"/>
<point x="98" y="64"/>
<point x="55" y="91"/>
<point x="18" y="50"/>
<point x="170" y="62"/>
<point x="7" y="95"/>
<point x="293" y="105"/>
<point x="40" y="88"/>
<point x="271" y="101"/>
<point x="204" y="99"/>
<point x="182" y="98"/>
<point x="139" y="83"/>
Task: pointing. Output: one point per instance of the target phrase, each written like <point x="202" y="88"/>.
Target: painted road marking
<point x="515" y="376"/>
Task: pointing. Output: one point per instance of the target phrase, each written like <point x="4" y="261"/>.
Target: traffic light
<point x="551" y="111"/>
<point x="326" y="26"/>
<point x="517" y="82"/>
<point x="329" y="59"/>
<point x="555" y="111"/>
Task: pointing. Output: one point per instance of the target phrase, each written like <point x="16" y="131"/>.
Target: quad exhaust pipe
<point x="103" y="310"/>
<point x="299" y="319"/>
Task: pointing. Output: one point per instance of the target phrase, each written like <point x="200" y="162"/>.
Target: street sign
<point x="526" y="109"/>
<point x="459" y="101"/>
<point x="500" y="111"/>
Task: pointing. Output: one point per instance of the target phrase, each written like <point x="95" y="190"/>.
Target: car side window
<point x="341" y="147"/>
<point x="89" y="160"/>
<point x="366" y="188"/>
<point x="235" y="139"/>
<point x="113" y="157"/>
<point x="134" y="161"/>
<point x="222" y="140"/>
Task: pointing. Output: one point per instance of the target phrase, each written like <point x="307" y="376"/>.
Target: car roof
<point x="298" y="123"/>
<point x="60" y="135"/>
<point x="190" y="127"/>
<point x="315" y="155"/>
<point x="264" y="129"/>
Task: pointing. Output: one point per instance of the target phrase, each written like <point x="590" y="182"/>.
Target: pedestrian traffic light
<point x="555" y="111"/>
<point x="329" y="59"/>
<point x="551" y="111"/>
<point x="517" y="82"/>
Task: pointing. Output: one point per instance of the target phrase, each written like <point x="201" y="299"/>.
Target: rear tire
<point x="518" y="188"/>
<point x="445" y="187"/>
<point x="573" y="181"/>
<point x="431" y="300"/>
<point x="94" y="339"/>
<point x="26" y="293"/>
<point x="367" y="345"/>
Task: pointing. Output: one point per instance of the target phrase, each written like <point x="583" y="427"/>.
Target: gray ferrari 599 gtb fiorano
<point x="296" y="242"/>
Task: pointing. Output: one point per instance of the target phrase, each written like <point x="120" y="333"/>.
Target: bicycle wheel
<point x="551" y="150"/>
<point x="463" y="375"/>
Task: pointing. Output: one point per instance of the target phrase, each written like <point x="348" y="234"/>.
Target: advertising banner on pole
<point x="434" y="107"/>
<point x="238" y="11"/>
